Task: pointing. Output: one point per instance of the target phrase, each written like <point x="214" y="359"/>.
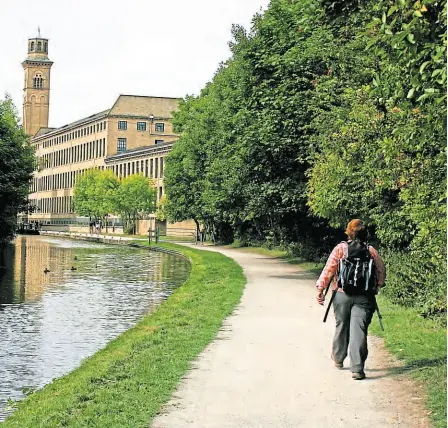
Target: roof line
<point x="148" y="96"/>
<point x="78" y="122"/>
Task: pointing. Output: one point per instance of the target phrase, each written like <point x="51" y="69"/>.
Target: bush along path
<point x="272" y="367"/>
<point x="125" y="384"/>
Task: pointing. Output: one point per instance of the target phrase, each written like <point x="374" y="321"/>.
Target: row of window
<point x="64" y="180"/>
<point x="56" y="205"/>
<point x="80" y="153"/>
<point x="41" y="47"/>
<point x="98" y="127"/>
<point x="38" y="81"/>
<point x="122" y="144"/>
<point x="152" y="168"/>
<point x="141" y="126"/>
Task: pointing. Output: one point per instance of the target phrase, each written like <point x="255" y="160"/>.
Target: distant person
<point x="97" y="227"/>
<point x="358" y="272"/>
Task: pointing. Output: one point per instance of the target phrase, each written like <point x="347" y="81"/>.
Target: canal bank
<point x="126" y="383"/>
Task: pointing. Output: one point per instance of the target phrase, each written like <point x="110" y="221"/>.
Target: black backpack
<point x="357" y="271"/>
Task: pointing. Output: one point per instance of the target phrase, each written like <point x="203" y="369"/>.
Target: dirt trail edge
<point x="270" y="366"/>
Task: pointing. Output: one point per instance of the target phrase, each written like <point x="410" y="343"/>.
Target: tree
<point x="16" y="168"/>
<point x="161" y="212"/>
<point x="326" y="110"/>
<point x="94" y="193"/>
<point x="134" y="198"/>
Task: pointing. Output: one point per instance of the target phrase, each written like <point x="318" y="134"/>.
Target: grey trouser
<point x="353" y="316"/>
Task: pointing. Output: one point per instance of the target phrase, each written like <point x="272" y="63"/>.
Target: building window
<point x="38" y="81"/>
<point x="121" y="145"/>
<point x="32" y="47"/>
<point x="141" y="126"/>
<point x="39" y="46"/>
<point x="45" y="47"/>
<point x="160" y="127"/>
<point x="158" y="142"/>
<point x="122" y="124"/>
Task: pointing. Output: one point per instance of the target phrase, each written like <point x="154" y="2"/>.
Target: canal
<point x="62" y="300"/>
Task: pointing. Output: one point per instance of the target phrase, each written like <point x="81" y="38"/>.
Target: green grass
<point x="126" y="383"/>
<point x="419" y="343"/>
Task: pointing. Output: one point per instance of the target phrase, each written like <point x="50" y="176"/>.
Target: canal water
<point x="50" y="322"/>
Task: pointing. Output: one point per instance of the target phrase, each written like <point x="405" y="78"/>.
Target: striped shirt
<point x="331" y="268"/>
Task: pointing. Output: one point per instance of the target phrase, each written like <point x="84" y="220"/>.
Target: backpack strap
<point x="345" y="248"/>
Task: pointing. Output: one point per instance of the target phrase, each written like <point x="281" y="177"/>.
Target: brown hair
<point x="356" y="230"/>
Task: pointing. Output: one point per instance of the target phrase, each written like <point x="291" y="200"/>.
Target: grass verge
<point x="126" y="383"/>
<point x="419" y="343"/>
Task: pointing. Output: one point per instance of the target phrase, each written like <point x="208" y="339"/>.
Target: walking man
<point x="358" y="272"/>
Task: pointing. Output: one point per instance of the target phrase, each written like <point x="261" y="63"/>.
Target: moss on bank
<point x="126" y="383"/>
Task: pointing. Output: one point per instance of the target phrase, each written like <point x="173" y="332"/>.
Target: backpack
<point x="357" y="270"/>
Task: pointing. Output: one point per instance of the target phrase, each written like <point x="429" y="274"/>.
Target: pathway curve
<point x="270" y="366"/>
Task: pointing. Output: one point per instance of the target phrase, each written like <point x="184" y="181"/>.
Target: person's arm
<point x="380" y="268"/>
<point x="329" y="271"/>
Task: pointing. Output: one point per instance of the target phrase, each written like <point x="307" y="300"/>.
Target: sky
<point x="103" y="48"/>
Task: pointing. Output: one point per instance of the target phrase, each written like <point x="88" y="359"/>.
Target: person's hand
<point x="320" y="298"/>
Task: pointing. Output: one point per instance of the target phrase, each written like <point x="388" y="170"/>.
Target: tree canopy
<point x="95" y="192"/>
<point x="98" y="193"/>
<point x="16" y="169"/>
<point x="326" y="111"/>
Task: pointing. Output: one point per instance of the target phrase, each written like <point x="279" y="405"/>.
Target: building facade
<point x="132" y="126"/>
<point x="36" y="86"/>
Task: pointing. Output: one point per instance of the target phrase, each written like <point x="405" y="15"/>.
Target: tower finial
<point x="38" y="31"/>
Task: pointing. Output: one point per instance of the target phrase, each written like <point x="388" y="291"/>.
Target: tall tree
<point x="16" y="168"/>
<point x="94" y="193"/>
<point x="134" y="198"/>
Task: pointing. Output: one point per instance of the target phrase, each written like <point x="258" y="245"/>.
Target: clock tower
<point x="36" y="90"/>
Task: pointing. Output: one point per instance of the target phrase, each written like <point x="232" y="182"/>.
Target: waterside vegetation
<point x="17" y="163"/>
<point x="126" y="383"/>
<point x="99" y="193"/>
<point x="326" y="111"/>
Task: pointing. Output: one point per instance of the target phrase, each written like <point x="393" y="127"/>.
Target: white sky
<point x="104" y="48"/>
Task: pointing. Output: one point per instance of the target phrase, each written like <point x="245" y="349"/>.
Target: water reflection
<point x="50" y="321"/>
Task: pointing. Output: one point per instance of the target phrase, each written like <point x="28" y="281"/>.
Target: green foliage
<point x="98" y="193"/>
<point x="326" y="111"/>
<point x="134" y="198"/>
<point x="161" y="212"/>
<point x="16" y="168"/>
<point x="94" y="193"/>
<point x="126" y="383"/>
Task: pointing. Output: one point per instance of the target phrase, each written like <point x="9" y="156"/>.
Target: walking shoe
<point x="358" y="376"/>
<point x="337" y="364"/>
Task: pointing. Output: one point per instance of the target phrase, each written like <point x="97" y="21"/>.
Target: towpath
<point x="270" y="366"/>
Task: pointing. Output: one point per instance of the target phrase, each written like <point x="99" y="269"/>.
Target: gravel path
<point x="270" y="366"/>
